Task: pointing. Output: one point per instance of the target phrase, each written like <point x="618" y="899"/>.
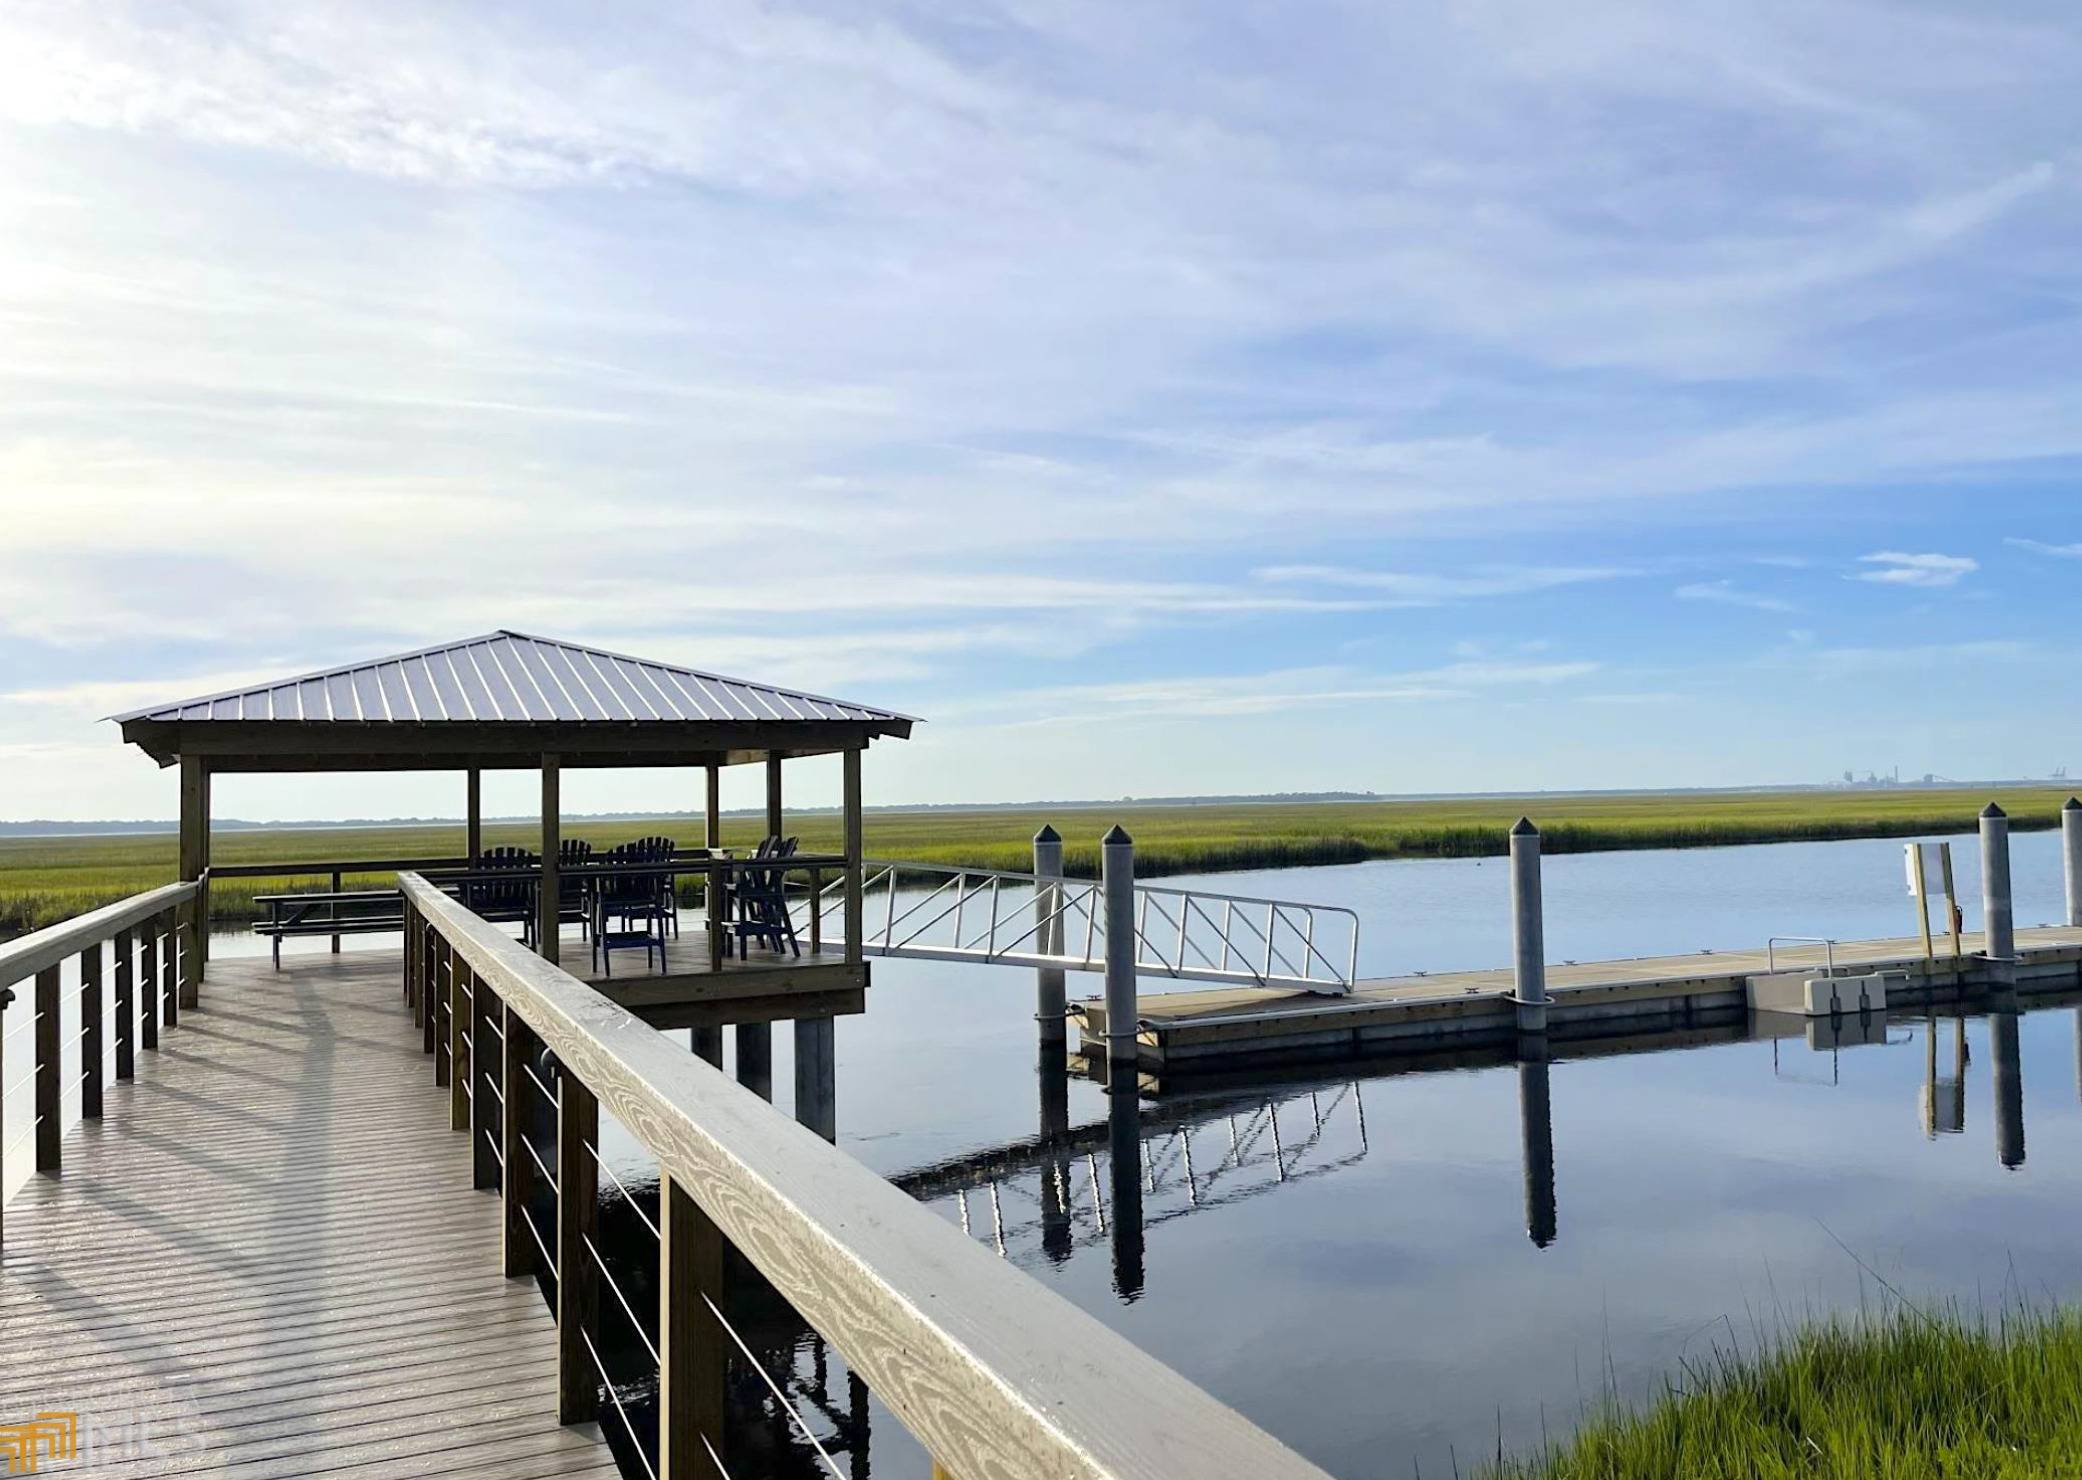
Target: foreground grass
<point x="1895" y="1397"/>
<point x="43" y="880"/>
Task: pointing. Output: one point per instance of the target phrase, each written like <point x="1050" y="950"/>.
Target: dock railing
<point x="941" y="912"/>
<point x="132" y="953"/>
<point x="996" y="1376"/>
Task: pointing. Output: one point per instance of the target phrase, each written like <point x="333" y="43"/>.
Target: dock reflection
<point x="1109" y="1183"/>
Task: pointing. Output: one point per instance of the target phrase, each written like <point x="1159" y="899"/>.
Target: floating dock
<point x="1228" y="1028"/>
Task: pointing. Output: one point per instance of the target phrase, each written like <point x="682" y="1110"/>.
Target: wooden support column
<point x="712" y="827"/>
<point x="148" y="989"/>
<point x="850" y="805"/>
<point x="517" y="1183"/>
<point x="547" y="926"/>
<point x="126" y="1004"/>
<point x="93" y="1040"/>
<point x="45" y="1036"/>
<point x="773" y="794"/>
<point x="712" y="882"/>
<point x="473" y="814"/>
<point x="578" y="1282"/>
<point x="194" y="858"/>
<point x="692" y="1345"/>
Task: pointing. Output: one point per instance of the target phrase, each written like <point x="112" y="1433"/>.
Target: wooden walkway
<point x="266" y="1260"/>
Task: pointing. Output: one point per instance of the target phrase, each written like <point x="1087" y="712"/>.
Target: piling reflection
<point x="2009" y="1087"/>
<point x="1124" y="1153"/>
<point x="1536" y="1135"/>
<point x="1053" y="1071"/>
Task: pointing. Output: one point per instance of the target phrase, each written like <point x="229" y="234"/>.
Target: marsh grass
<point x="43" y="880"/>
<point x="1899" y="1395"/>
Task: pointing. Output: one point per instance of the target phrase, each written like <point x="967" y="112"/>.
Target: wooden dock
<point x="1225" y="1028"/>
<point x="266" y="1260"/>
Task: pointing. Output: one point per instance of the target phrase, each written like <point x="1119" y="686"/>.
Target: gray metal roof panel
<point x="511" y="676"/>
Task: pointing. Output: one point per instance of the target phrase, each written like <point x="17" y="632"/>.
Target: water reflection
<point x="2009" y="1087"/>
<point x="1536" y="1139"/>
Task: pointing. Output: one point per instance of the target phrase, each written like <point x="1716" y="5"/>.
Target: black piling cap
<point x="2074" y="804"/>
<point x="1525" y="829"/>
<point x="1991" y="810"/>
<point x="1115" y="836"/>
<point x="1049" y="835"/>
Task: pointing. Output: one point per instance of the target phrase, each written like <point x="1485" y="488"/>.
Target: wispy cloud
<point x="2040" y="547"/>
<point x="1727" y="593"/>
<point x="1925" y="572"/>
<point x="1431" y="588"/>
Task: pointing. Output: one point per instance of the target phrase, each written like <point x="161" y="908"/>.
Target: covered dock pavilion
<point x="511" y="701"/>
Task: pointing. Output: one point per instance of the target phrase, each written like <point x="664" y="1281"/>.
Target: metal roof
<point x="513" y="677"/>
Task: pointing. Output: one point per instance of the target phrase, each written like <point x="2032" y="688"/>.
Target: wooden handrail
<point x="152" y="961"/>
<point x="995" y="1374"/>
<point x="28" y="954"/>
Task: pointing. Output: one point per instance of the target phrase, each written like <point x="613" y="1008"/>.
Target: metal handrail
<point x="1259" y="938"/>
<point x="1829" y="949"/>
<point x="993" y="1372"/>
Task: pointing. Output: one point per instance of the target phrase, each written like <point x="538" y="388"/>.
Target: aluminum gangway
<point x="940" y="913"/>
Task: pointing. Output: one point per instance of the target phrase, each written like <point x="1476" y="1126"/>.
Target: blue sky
<point x="1156" y="399"/>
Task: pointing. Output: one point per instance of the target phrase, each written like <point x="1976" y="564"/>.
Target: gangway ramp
<point x="937" y="912"/>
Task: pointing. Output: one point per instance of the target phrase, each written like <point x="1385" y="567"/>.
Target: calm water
<point x="1390" y="1269"/>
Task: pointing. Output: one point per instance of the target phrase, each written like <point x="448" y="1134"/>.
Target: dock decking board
<point x="269" y="1249"/>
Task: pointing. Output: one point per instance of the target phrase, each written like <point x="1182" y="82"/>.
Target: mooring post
<point x="1117" y="882"/>
<point x="1528" y="929"/>
<point x="1049" y="999"/>
<point x="1999" y="938"/>
<point x="2071" y="850"/>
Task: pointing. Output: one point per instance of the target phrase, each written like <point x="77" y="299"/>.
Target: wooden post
<point x="755" y="1058"/>
<point x="518" y="1183"/>
<point x="126" y="1004"/>
<point x="547" y="925"/>
<point x="712" y="880"/>
<point x="333" y="910"/>
<point x="148" y="985"/>
<point x="850" y="806"/>
<point x="816" y="911"/>
<point x="578" y="1282"/>
<point x="712" y="828"/>
<point x="203" y="914"/>
<point x="1955" y="918"/>
<point x="1918" y="875"/>
<point x="708" y="1046"/>
<point x="194" y="857"/>
<point x="773" y="794"/>
<point x="460" y="1045"/>
<point x="92" y="1045"/>
<point x="46" y="1039"/>
<point x="473" y="814"/>
<point x="485" y="1062"/>
<point x="692" y="1346"/>
<point x="816" y="1076"/>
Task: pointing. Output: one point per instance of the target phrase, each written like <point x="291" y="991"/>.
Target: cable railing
<point x="938" y="912"/>
<point x="138" y="963"/>
<point x="995" y="1375"/>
